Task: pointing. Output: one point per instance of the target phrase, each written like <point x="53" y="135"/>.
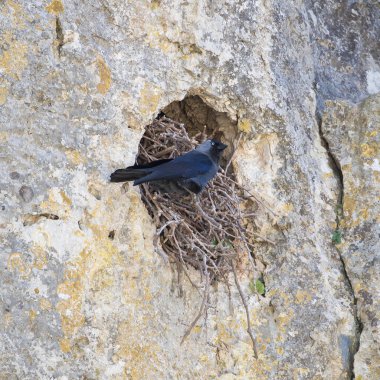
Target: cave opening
<point x="195" y="113"/>
<point x="198" y="116"/>
<point x="206" y="231"/>
<point x="210" y="232"/>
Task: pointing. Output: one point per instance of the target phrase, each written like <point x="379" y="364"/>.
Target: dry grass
<point x="206" y="232"/>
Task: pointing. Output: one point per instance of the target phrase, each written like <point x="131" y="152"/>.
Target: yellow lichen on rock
<point x="303" y="296"/>
<point x="15" y="12"/>
<point x="75" y="157"/>
<point x="16" y="262"/>
<point x="4" y="136"/>
<point x="3" y="95"/>
<point x="150" y="96"/>
<point x="58" y="203"/>
<point x="91" y="271"/>
<point x="105" y="76"/>
<point x="55" y="7"/>
<point x="288" y="207"/>
<point x="136" y="352"/>
<point x="13" y="59"/>
<point x="370" y="149"/>
<point x="32" y="315"/>
<point x="64" y="344"/>
<point x="40" y="257"/>
<point x="45" y="304"/>
<point x="156" y="40"/>
<point x="71" y="293"/>
<point x="245" y="125"/>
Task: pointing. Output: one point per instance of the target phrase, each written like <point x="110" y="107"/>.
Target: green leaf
<point x="260" y="287"/>
<point x="257" y="286"/>
<point x="337" y="237"/>
<point x="214" y="242"/>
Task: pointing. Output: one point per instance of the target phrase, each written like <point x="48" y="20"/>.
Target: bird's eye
<point x="212" y="143"/>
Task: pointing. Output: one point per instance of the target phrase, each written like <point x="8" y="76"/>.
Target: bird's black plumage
<point x="189" y="172"/>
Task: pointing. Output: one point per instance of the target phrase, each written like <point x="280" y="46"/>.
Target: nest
<point x="206" y="231"/>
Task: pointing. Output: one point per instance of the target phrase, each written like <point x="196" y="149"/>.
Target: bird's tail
<point x="128" y="174"/>
<point x="134" y="172"/>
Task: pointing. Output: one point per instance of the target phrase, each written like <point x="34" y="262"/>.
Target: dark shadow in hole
<point x="196" y="115"/>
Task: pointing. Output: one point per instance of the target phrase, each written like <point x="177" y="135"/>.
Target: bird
<point x="185" y="174"/>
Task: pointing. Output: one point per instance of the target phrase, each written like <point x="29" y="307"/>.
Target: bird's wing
<point x="134" y="172"/>
<point x="187" y="166"/>
<point x="151" y="164"/>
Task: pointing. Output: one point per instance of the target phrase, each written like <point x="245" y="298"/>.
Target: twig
<point x="165" y="225"/>
<point x="249" y="330"/>
<point x="205" y="296"/>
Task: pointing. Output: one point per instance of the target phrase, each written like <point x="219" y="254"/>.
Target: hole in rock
<point x="195" y="114"/>
<point x="208" y="232"/>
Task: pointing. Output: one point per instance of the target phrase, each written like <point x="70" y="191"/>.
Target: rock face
<point x="84" y="294"/>
<point x="354" y="139"/>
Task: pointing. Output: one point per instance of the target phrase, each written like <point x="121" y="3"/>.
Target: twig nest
<point x="211" y="229"/>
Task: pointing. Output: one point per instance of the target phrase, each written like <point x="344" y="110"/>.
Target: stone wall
<point x="78" y="83"/>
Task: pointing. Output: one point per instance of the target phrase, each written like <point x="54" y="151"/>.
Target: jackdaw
<point x="187" y="173"/>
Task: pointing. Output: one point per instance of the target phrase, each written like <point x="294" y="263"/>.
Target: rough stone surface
<point x="346" y="48"/>
<point x="78" y="82"/>
<point x="353" y="135"/>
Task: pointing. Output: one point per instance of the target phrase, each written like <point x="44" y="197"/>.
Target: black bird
<point x="187" y="173"/>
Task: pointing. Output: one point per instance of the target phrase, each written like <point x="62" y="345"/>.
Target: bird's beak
<point x="222" y="146"/>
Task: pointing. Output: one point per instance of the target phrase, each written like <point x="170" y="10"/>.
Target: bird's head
<point x="212" y="147"/>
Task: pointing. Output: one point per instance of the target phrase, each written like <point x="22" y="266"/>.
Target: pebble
<point x="26" y="193"/>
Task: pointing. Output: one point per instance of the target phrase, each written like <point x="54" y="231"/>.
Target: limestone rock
<point x="83" y="292"/>
<point x="354" y="138"/>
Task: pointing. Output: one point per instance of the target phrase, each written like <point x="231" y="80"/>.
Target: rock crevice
<point x="337" y="170"/>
